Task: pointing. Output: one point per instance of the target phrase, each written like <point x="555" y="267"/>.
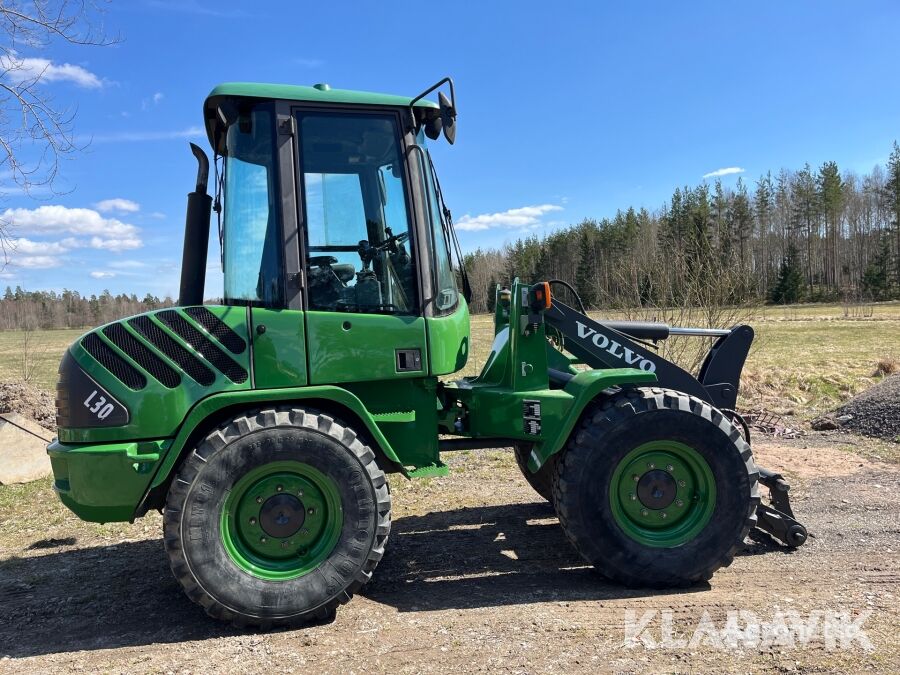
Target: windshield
<point x="251" y="249"/>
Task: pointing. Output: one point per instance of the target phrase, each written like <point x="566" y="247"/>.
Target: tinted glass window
<point x="358" y="255"/>
<point x="252" y="252"/>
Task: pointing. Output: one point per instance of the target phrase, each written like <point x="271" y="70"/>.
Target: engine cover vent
<point x="189" y="363"/>
<point x="142" y="355"/>
<point x="123" y="371"/>
<point x="199" y="342"/>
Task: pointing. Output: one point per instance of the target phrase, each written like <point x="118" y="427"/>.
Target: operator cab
<point x="327" y="201"/>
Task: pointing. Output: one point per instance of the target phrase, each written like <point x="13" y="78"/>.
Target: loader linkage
<point x="614" y="344"/>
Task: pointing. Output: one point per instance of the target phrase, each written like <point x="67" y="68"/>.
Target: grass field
<point x="806" y="359"/>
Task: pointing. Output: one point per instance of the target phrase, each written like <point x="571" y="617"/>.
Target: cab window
<point x="358" y="250"/>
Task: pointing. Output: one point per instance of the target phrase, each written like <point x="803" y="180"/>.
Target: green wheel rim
<point x="673" y="513"/>
<point x="281" y="520"/>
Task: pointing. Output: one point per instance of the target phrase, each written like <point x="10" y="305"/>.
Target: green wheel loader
<point x="263" y="427"/>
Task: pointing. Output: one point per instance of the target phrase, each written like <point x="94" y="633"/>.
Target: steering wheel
<point x="390" y="244"/>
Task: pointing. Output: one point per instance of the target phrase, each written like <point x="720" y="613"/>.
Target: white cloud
<point x="727" y="171"/>
<point x="127" y="264"/>
<point x="522" y="218"/>
<point x="157" y="97"/>
<point x="117" y="245"/>
<point x="44" y="70"/>
<point x="102" y="275"/>
<point x="24" y="246"/>
<point x="142" y="136"/>
<point x="54" y="219"/>
<point x="90" y="230"/>
<point x="35" y="261"/>
<point x="117" y="204"/>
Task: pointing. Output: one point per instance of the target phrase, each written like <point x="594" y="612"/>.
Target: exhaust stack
<point x="196" y="235"/>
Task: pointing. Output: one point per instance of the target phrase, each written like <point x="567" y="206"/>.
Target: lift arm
<point x="611" y="344"/>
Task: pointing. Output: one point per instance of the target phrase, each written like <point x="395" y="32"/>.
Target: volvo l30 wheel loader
<point x="263" y="427"/>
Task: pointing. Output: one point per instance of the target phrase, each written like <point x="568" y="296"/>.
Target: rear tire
<point x="542" y="481"/>
<point x="656" y="488"/>
<point x="276" y="518"/>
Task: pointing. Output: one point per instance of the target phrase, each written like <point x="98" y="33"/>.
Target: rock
<point x="23" y="449"/>
<point x="825" y="423"/>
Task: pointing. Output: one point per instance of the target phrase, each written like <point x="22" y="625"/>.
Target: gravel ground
<point x="34" y="403"/>
<point x="478" y="577"/>
<point x="875" y="411"/>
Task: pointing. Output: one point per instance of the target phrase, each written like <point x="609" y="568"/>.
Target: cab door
<point x="363" y="311"/>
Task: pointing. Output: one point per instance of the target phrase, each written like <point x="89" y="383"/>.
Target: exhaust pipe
<point x="196" y="236"/>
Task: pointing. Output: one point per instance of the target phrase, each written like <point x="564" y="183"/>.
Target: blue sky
<point x="567" y="110"/>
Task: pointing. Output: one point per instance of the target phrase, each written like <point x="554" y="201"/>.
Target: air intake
<point x="130" y="376"/>
<point x="202" y="344"/>
<point x="164" y="343"/>
<point x="142" y="355"/>
<point x="217" y="328"/>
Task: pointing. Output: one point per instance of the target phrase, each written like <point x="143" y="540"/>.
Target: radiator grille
<point x="189" y="363"/>
<point x="204" y="345"/>
<point x="142" y="355"/>
<point x="130" y="376"/>
<point x="218" y="329"/>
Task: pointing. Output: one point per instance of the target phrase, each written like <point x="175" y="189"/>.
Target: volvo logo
<point x="613" y="348"/>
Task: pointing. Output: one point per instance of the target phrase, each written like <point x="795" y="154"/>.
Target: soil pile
<point x="874" y="412"/>
<point x="27" y="400"/>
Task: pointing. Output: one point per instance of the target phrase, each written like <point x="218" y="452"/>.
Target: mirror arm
<point x="446" y="80"/>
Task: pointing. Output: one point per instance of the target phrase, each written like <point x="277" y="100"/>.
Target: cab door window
<point x="358" y="251"/>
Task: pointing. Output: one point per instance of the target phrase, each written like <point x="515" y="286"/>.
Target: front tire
<point x="276" y="518"/>
<point x="542" y="481"/>
<point x="656" y="488"/>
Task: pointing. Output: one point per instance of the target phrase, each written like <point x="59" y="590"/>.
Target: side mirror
<point x="448" y="118"/>
<point x="445" y="119"/>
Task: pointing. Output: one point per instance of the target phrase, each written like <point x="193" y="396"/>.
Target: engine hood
<point x="138" y="377"/>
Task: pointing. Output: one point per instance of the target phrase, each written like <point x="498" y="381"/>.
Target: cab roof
<point x="320" y="93"/>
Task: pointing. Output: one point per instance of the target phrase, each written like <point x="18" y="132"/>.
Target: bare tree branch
<point x="35" y="133"/>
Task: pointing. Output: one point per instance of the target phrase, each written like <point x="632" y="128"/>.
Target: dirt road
<point x="478" y="578"/>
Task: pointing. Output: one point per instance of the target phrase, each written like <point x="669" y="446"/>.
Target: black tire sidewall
<point x="238" y="590"/>
<point x="607" y="543"/>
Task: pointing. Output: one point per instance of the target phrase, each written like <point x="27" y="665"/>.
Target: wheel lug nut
<point x="259" y="500"/>
<point x="651" y="465"/>
<point x="633" y="496"/>
<point x="663" y="515"/>
<point x="636" y="478"/>
<point x="670" y="468"/>
<point x="644" y="512"/>
<point x="681" y="483"/>
<point x="310" y="510"/>
<point x="284" y="544"/>
<point x="253" y="521"/>
<point x="299" y="493"/>
<point x="304" y="531"/>
<point x="279" y="488"/>
<point x="679" y="503"/>
<point x="262" y="540"/>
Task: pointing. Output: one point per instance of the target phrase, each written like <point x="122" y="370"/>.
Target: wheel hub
<point x="662" y="493"/>
<point x="656" y="489"/>
<point x="282" y="515"/>
<point x="281" y="520"/>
